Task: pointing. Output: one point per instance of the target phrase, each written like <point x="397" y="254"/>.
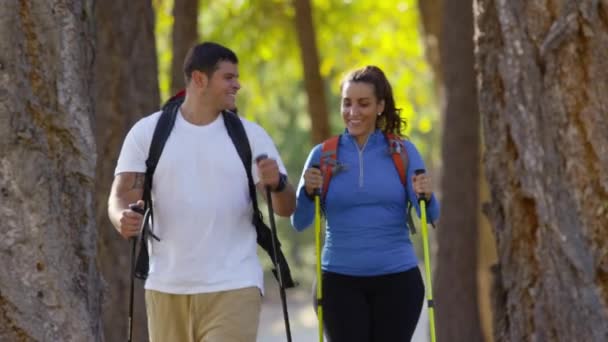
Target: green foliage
<point x="162" y="30"/>
<point x="350" y="34"/>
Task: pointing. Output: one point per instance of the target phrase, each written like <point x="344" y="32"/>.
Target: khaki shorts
<point x="226" y="316"/>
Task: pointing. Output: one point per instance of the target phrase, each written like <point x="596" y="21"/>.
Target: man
<point x="205" y="278"/>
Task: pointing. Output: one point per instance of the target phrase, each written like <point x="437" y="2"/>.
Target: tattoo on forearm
<point x="139" y="181"/>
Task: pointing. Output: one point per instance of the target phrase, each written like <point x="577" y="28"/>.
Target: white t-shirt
<point x="202" y="208"/>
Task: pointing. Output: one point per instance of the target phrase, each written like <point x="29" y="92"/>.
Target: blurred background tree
<point x="458" y="312"/>
<point x="125" y="89"/>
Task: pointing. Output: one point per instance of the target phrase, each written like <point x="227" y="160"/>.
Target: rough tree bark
<point x="50" y="288"/>
<point x="184" y="36"/>
<point x="315" y="88"/>
<point x="543" y="80"/>
<point x="126" y="88"/>
<point x="456" y="286"/>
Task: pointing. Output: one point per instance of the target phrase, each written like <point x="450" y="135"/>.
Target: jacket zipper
<point x="360" y="151"/>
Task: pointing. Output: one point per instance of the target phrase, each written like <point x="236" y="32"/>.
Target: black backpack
<point x="237" y="134"/>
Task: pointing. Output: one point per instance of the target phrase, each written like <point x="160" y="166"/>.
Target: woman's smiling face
<point x="360" y="109"/>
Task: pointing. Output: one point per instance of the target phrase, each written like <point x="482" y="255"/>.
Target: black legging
<point x="371" y="309"/>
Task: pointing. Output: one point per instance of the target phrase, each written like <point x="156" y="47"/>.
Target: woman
<point x="372" y="288"/>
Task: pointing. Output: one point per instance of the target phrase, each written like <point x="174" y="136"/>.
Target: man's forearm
<point x="284" y="202"/>
<point x="127" y="188"/>
<point x="116" y="205"/>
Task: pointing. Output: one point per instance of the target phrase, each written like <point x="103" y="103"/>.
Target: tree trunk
<point x="457" y="289"/>
<point x="431" y="19"/>
<point x="185" y="35"/>
<point x="543" y="83"/>
<point x="50" y="288"/>
<point x="126" y="88"/>
<point x="315" y="88"/>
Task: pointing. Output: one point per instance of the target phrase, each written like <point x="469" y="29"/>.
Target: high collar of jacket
<point x="376" y="137"/>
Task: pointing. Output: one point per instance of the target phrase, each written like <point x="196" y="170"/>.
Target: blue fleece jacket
<point x="365" y="209"/>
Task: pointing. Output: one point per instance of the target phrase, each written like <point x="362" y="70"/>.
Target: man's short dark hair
<point x="205" y="57"/>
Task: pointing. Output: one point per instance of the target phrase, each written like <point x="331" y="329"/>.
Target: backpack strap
<point x="400" y="159"/>
<point x="399" y="155"/>
<point x="328" y="162"/>
<point x="329" y="158"/>
<point x="238" y="135"/>
<point x="163" y="129"/>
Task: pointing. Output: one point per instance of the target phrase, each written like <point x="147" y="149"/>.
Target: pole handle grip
<point x="137" y="208"/>
<point x="261" y="157"/>
<point x="417" y="172"/>
<point x="317" y="191"/>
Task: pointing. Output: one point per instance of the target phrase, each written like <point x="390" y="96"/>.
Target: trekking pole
<point x="141" y="211"/>
<point x="275" y="249"/>
<point x="317" y="196"/>
<point x="422" y="200"/>
<point x="130" y="321"/>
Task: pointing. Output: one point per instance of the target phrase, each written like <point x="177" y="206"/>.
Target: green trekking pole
<point x="427" y="260"/>
<point x="317" y="196"/>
